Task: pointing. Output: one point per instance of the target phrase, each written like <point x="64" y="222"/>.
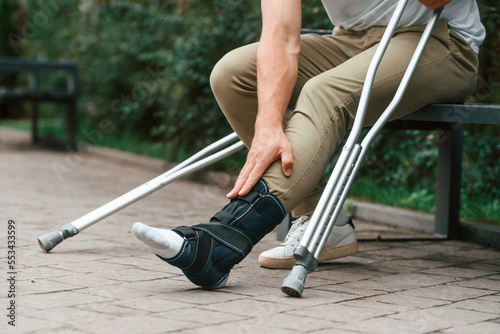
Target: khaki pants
<point x="331" y="74"/>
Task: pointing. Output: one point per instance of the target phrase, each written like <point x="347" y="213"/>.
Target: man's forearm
<point x="277" y="59"/>
<point x="277" y="65"/>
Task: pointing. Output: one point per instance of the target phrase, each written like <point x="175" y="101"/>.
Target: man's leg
<point x="325" y="108"/>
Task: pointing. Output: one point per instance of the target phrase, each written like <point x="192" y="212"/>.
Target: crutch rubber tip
<point x="293" y="285"/>
<point x="50" y="240"/>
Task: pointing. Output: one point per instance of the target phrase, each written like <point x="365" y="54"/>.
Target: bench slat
<point x="457" y="113"/>
<point x="21" y="65"/>
<point x="38" y="96"/>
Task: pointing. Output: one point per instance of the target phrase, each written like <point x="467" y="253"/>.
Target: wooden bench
<point x="36" y="94"/>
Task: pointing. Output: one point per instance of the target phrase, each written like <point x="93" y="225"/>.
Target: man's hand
<point x="434" y="4"/>
<point x="269" y="144"/>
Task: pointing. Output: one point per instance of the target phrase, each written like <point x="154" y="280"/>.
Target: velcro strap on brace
<point x="202" y="247"/>
<point x="229" y="236"/>
<point x="223" y="217"/>
<point x="250" y="198"/>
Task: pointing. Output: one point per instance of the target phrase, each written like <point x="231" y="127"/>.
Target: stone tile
<point x="358" y="292"/>
<point x="250" y="326"/>
<point x="366" y="246"/>
<point x="480" y="253"/>
<point x="479" y="305"/>
<point x="390" y="268"/>
<point x="348" y="261"/>
<point x="482" y="327"/>
<point x="441" y="317"/>
<point x="27" y="324"/>
<point x="40" y="271"/>
<point x="450" y="259"/>
<point x="150" y="304"/>
<point x="380" y="326"/>
<point x="330" y="330"/>
<point x="310" y="297"/>
<point x="457" y="272"/>
<point x="336" y="276"/>
<point x="62" y="330"/>
<point x="114" y="308"/>
<point x="96" y="268"/>
<point x="373" y="303"/>
<point x="115" y="292"/>
<point x="161" y="286"/>
<point x="407" y="281"/>
<point x="483" y="265"/>
<point x="493" y="298"/>
<point x="200" y="316"/>
<point x="399" y="253"/>
<point x="253" y="290"/>
<point x="138" y="324"/>
<point x="84" y="280"/>
<point x="60" y="299"/>
<point x="249" y="307"/>
<point x="73" y="317"/>
<point x="293" y="322"/>
<point x="43" y="285"/>
<point x="340" y="313"/>
<point x="480" y="283"/>
<point x="198" y="296"/>
<point x="134" y="275"/>
<point x="447" y="292"/>
<point x="399" y="300"/>
<point x="419" y="263"/>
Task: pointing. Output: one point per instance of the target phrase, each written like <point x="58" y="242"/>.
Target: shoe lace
<point x="296" y="231"/>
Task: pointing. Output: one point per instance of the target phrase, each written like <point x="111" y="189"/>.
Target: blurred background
<point x="144" y="69"/>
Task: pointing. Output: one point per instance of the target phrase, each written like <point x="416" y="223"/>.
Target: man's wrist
<point x="269" y="121"/>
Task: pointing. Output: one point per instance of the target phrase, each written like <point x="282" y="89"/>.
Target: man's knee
<point x="233" y="70"/>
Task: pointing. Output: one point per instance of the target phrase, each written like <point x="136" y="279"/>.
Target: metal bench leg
<point x="71" y="125"/>
<point x="449" y="181"/>
<point x="34" y="123"/>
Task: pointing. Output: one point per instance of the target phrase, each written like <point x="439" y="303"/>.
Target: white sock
<point x="163" y="242"/>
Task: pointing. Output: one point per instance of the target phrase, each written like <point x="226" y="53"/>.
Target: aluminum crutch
<point x="190" y="165"/>
<point x="347" y="166"/>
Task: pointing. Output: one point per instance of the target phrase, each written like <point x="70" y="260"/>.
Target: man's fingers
<point x="252" y="179"/>
<point x="242" y="179"/>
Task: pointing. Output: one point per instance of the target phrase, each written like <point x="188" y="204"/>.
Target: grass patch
<point x="473" y="208"/>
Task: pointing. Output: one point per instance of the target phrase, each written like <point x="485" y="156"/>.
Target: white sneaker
<point x="341" y="242"/>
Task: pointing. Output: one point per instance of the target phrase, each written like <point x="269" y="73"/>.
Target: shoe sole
<point x="330" y="253"/>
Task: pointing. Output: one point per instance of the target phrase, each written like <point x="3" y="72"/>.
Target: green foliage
<point x="192" y="118"/>
<point x="488" y="89"/>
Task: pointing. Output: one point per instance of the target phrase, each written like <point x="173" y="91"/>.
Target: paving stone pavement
<point x="104" y="280"/>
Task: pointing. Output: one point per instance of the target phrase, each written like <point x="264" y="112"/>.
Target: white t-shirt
<point x="462" y="16"/>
